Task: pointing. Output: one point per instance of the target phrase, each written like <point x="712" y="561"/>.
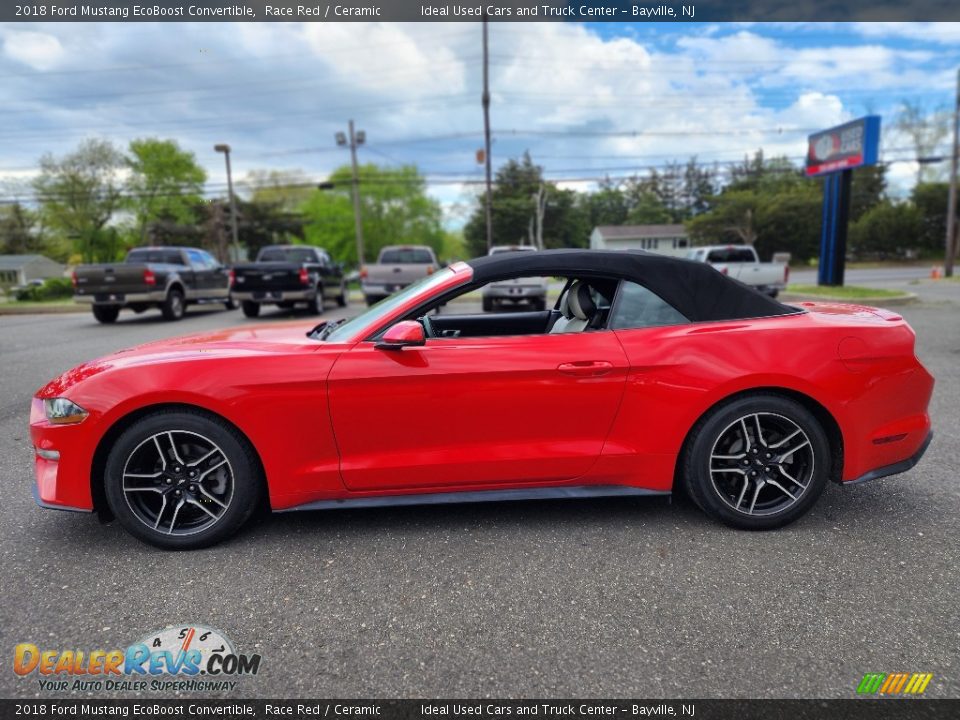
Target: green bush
<point x="52" y="289"/>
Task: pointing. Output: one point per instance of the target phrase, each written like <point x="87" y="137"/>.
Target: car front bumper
<point x="62" y="482"/>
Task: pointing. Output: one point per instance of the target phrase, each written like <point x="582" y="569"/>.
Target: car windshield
<point x="406" y="256"/>
<point x="349" y="329"/>
<point x="294" y="255"/>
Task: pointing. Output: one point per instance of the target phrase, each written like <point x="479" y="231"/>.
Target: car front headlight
<point x="61" y="411"/>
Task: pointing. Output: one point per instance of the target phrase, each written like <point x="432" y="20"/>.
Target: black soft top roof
<point x="694" y="288"/>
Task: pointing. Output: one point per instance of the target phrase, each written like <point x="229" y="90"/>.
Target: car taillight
<point x="363" y="273"/>
<point x="429" y="269"/>
<point x="786" y="274"/>
<point x="724" y="270"/>
<point x="231" y="277"/>
<point x="304" y="277"/>
<point x="73" y="278"/>
<point x="149" y="278"/>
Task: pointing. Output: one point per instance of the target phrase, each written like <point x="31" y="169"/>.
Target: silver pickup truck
<point x="396" y="267"/>
<point x="742" y="263"/>
<point x="168" y="278"/>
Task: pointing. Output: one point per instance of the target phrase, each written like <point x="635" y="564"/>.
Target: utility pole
<point x="486" y="131"/>
<point x="951" y="241"/>
<point x="225" y="149"/>
<point x="353" y="140"/>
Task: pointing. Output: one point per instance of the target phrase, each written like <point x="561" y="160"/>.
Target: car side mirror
<point x="407" y="333"/>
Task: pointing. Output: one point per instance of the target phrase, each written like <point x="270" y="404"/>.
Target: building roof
<point x="15" y="262"/>
<point x="630" y="232"/>
<point x="696" y="289"/>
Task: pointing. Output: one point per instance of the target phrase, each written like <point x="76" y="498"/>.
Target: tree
<point x="731" y="219"/>
<point x="261" y="223"/>
<point x="288" y="188"/>
<point x="166" y="183"/>
<point x="18" y="234"/>
<point x="867" y="189"/>
<point x="564" y="222"/>
<point x="79" y="194"/>
<point x="886" y="230"/>
<point x="930" y="200"/>
<point x="395" y="209"/>
<point x="787" y="219"/>
<point x="648" y="209"/>
<point x="515" y="184"/>
<point x="607" y="206"/>
<point x="926" y="130"/>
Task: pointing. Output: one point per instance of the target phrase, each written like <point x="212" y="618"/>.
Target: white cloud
<point x="41" y="51"/>
<point x="938" y="32"/>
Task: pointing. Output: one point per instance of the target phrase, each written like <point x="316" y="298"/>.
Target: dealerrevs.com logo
<point x="179" y="658"/>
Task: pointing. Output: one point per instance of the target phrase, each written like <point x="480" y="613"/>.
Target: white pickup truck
<point x="741" y="263"/>
<point x="396" y="267"/>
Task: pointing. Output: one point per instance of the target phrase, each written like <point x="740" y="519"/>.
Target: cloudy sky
<point x="586" y="100"/>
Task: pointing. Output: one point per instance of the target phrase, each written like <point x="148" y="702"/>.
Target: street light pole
<point x="225" y="149"/>
<point x="951" y="240"/>
<point x="488" y="209"/>
<point x="355" y="139"/>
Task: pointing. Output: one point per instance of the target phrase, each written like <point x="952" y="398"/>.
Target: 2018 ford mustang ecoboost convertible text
<point x="648" y="373"/>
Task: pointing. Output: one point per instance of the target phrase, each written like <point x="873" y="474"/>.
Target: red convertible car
<point x="649" y="374"/>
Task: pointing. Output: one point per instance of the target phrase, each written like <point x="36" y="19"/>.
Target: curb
<point x="904" y="299"/>
<point x="53" y="309"/>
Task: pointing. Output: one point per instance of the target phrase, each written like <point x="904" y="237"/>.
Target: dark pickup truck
<point x="286" y="275"/>
<point x="169" y="278"/>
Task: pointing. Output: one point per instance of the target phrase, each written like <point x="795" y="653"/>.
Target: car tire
<point x="106" y="314"/>
<point x="230" y="304"/>
<point x="250" y="308"/>
<point x="342" y="298"/>
<point x="174" y="306"/>
<point x="757" y="463"/>
<point x="488" y="304"/>
<point x="170" y="510"/>
<point x="315" y="304"/>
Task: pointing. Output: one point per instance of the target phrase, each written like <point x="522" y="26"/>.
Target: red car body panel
<point x="612" y="407"/>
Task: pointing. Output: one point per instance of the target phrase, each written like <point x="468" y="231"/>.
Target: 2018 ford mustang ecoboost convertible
<point x="648" y="373"/>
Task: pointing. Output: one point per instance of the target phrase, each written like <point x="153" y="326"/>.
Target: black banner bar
<point x="466" y="10"/>
<point x="345" y="709"/>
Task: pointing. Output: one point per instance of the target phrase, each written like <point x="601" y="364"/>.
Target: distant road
<point x="875" y="277"/>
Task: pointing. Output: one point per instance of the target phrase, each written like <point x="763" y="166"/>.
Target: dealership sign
<point x="844" y="147"/>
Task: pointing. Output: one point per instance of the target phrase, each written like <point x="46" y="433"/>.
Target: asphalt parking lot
<point x="619" y="598"/>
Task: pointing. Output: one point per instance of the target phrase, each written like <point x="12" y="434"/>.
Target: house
<point x="663" y="239"/>
<point x="21" y="269"/>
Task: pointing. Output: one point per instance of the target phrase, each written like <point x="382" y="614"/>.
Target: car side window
<point x="196" y="259"/>
<point x="637" y="307"/>
<point x="209" y="261"/>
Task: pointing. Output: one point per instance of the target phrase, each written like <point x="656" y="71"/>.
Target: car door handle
<point x="586" y="368"/>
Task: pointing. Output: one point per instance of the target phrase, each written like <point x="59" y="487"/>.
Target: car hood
<point x="244" y="340"/>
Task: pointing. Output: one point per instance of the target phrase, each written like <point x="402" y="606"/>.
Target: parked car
<point x="742" y="263"/>
<point x="168" y="278"/>
<point x="515" y="290"/>
<point x="287" y="275"/>
<point x="397" y="266"/>
<point x="653" y="372"/>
